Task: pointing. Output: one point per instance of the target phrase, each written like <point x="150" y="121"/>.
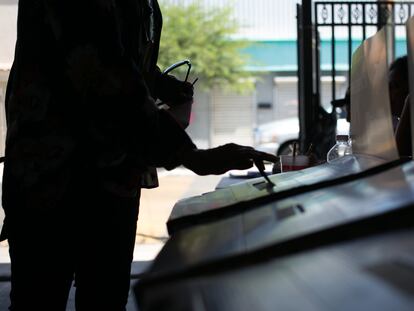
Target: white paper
<point x="371" y="124"/>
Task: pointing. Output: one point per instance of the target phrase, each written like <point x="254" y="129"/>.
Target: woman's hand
<point x="219" y="160"/>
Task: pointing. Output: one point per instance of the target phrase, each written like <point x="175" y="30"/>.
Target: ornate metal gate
<point x="332" y="30"/>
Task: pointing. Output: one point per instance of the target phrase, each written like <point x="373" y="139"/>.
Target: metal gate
<point x="355" y="21"/>
<point x="331" y="30"/>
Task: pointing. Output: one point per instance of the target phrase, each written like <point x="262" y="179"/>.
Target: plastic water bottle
<point x="342" y="148"/>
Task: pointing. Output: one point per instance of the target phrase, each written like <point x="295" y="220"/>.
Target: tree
<point x="204" y="36"/>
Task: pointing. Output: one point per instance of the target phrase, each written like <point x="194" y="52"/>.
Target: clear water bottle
<point x="342" y="148"/>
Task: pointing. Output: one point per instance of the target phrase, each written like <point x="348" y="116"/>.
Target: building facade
<point x="218" y="116"/>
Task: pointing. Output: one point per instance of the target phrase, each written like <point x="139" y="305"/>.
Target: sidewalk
<point x="156" y="204"/>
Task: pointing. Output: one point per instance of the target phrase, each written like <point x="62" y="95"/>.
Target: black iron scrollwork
<point x="372" y="13"/>
<point x="341" y="13"/>
<point x="324" y="14"/>
<point x="363" y="13"/>
<point x="356" y="14"/>
<point x="402" y="14"/>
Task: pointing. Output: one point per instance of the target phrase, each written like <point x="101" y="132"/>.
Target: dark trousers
<point x="90" y="238"/>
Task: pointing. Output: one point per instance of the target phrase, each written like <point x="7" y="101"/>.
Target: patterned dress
<point x="81" y="98"/>
<point x="83" y="128"/>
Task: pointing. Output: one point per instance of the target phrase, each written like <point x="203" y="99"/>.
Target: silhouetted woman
<point x="82" y="130"/>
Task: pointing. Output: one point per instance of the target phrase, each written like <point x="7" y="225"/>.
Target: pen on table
<point x="260" y="167"/>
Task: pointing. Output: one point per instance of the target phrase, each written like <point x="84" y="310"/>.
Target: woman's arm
<point x="93" y="39"/>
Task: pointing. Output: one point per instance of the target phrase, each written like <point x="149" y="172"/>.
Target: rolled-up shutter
<point x="232" y="118"/>
<point x="286" y="98"/>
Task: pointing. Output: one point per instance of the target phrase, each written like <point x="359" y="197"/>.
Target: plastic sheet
<point x="371" y="123"/>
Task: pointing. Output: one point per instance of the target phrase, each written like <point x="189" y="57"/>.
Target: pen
<point x="260" y="167"/>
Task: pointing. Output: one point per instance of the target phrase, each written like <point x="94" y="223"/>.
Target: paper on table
<point x="410" y="53"/>
<point x="371" y="126"/>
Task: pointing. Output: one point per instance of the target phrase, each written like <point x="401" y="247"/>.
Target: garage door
<point x="232" y="118"/>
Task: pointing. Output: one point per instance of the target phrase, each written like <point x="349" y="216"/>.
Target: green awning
<point x="267" y="56"/>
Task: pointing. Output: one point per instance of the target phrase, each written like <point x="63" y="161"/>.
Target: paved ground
<point x="156" y="205"/>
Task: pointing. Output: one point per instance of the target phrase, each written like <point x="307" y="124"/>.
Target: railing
<point x="327" y="22"/>
<point x="354" y="21"/>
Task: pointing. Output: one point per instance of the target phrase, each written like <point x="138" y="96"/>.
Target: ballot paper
<point x="371" y="123"/>
<point x="410" y="50"/>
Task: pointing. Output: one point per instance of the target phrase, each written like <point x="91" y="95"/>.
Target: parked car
<point x="276" y="136"/>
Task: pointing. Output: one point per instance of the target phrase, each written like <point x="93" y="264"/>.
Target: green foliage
<point x="204" y="36"/>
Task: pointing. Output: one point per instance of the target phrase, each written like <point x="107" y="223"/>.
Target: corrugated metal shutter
<point x="232" y="118"/>
<point x="286" y="98"/>
<point x="286" y="95"/>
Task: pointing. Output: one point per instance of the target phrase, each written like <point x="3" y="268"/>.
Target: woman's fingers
<point x="251" y="153"/>
<point x="260" y="165"/>
<point x="265" y="156"/>
<point x="227" y="157"/>
<point x="243" y="157"/>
